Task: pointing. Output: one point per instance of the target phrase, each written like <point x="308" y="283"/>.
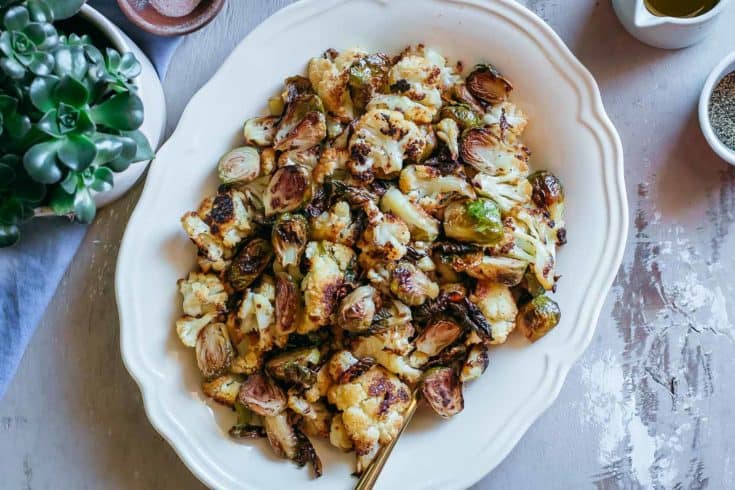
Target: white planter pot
<point x="149" y="90"/>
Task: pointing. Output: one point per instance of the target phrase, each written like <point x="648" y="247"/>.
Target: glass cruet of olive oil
<point x="680" y="8"/>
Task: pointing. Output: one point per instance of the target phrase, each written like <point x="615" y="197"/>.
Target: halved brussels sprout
<point x="303" y="126"/>
<point x="296" y="366"/>
<point x="392" y="314"/>
<point x="251" y="260"/>
<point x="289" y="237"/>
<point x="287" y="304"/>
<point x="260" y="131"/>
<point x="462" y="114"/>
<point x="548" y="193"/>
<point x="504" y="270"/>
<point x="357" y="309"/>
<point x="464" y="96"/>
<point x="537" y="317"/>
<point x="442" y="390"/>
<point x="289" y="442"/>
<point x="262" y="395"/>
<point x="288" y="190"/>
<point x="437" y="336"/>
<point x="239" y="166"/>
<point x="485" y="150"/>
<point x="487" y="84"/>
<point x="476" y="363"/>
<point x="409" y="284"/>
<point x="477" y="221"/>
<point x="214" y="350"/>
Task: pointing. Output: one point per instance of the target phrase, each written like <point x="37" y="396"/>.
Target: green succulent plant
<point x="69" y="115"/>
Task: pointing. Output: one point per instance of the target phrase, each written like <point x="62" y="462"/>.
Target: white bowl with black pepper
<point x="717" y="109"/>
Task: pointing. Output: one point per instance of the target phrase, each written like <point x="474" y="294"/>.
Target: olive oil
<point x="680" y="8"/>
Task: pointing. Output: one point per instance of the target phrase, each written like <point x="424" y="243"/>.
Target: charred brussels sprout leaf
<point x="487" y="84"/>
<point x="262" y="395"/>
<point x="289" y="237"/>
<point x="538" y="317"/>
<point x="303" y="126"/>
<point x="249" y="263"/>
<point x="288" y="190"/>
<point x="297" y="367"/>
<point x="442" y="390"/>
<point x="239" y="166"/>
<point x="244" y="427"/>
<point x="477" y="221"/>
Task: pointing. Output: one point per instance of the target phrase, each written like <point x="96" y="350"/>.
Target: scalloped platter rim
<point x="570" y="134"/>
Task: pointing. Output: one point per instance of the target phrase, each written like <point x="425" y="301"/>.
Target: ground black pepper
<point x="722" y="110"/>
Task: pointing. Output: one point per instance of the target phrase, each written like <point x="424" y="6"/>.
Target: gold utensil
<point x="371" y="474"/>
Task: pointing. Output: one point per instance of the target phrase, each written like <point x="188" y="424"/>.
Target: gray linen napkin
<point x="31" y="270"/>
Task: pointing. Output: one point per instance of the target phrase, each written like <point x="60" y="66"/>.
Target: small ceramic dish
<point x="143" y="14"/>
<point x="665" y="32"/>
<point x="727" y="65"/>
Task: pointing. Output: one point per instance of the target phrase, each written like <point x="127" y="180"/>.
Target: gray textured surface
<point x="649" y="405"/>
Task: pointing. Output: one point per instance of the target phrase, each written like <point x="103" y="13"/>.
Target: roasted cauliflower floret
<point x="496" y="303"/>
<point x="203" y="293"/>
<point x="372" y="407"/>
<point x="418" y="79"/>
<point x="328" y="264"/>
<point x="329" y="75"/>
<point x="447" y="130"/>
<point x="390" y="349"/>
<point x="411" y="110"/>
<point x="228" y="216"/>
<point x="506" y="190"/>
<point x="384" y="240"/>
<point x="509" y="117"/>
<point x="212" y="253"/>
<point x="223" y="389"/>
<point x="335" y="225"/>
<point x="421" y="225"/>
<point x="382" y="140"/>
<point x="428" y="187"/>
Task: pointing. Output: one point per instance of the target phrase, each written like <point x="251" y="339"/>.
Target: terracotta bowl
<point x="143" y="14"/>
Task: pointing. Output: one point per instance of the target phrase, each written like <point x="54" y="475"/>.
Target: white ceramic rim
<point x="700" y="19"/>
<point x="591" y="112"/>
<point x="724" y="67"/>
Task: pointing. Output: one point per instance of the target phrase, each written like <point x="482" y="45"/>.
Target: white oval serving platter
<point x="570" y="134"/>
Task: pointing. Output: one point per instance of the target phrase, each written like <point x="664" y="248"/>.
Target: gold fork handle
<point x="371" y="474"/>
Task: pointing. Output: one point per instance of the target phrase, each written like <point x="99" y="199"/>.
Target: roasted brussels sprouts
<point x="442" y="390"/>
<point x="289" y="442"/>
<point x="437" y="336"/>
<point x="487" y="84"/>
<point x="262" y="395"/>
<point x="548" y="193"/>
<point x="288" y="190"/>
<point x="421" y="225"/>
<point x="246" y="426"/>
<point x="462" y="114"/>
<point x="409" y="284"/>
<point x="484" y="149"/>
<point x="357" y="309"/>
<point x="367" y="76"/>
<point x="476" y="221"/>
<point x="289" y="237"/>
<point x="250" y="261"/>
<point x="504" y="270"/>
<point x="303" y="126"/>
<point x="239" y="166"/>
<point x="537" y="317"/>
<point x="214" y="351"/>
<point x="287" y="304"/>
<point x="260" y="131"/>
<point x="476" y="363"/>
<point x="392" y="314"/>
<point x="297" y="366"/>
